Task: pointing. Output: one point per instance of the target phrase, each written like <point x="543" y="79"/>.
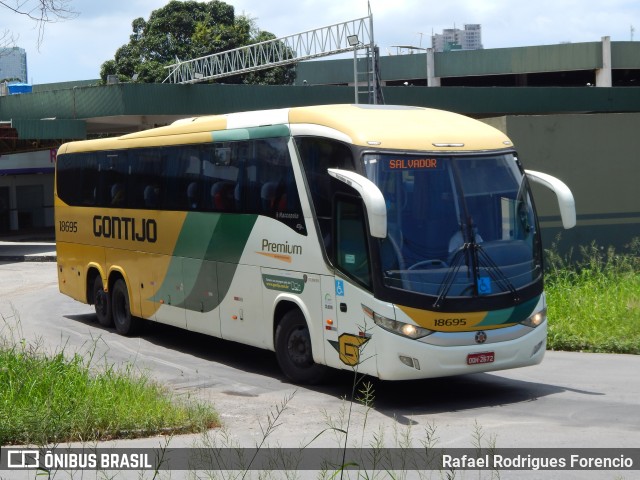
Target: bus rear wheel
<point x="125" y="323"/>
<point x="293" y="350"/>
<point x="102" y="303"/>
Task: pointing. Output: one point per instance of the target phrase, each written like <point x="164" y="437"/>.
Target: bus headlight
<point x="536" y="319"/>
<point x="393" y="326"/>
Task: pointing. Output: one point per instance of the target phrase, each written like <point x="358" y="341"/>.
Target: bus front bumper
<point x="401" y="358"/>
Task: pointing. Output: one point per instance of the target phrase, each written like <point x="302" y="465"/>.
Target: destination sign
<point x="409" y="163"/>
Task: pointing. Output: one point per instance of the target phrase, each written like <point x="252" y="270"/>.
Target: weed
<point x="594" y="301"/>
<point x="64" y="397"/>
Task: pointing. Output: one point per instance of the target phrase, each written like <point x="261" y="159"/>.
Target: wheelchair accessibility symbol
<point x="340" y="288"/>
<point x="484" y="285"/>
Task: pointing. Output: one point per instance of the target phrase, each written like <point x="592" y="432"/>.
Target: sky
<point x="74" y="49"/>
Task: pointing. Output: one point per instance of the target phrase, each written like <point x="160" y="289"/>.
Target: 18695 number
<point x="450" y="322"/>
<point x="68" y="226"/>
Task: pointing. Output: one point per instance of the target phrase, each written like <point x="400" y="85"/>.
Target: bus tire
<point x="125" y="323"/>
<point x="293" y="350"/>
<point x="102" y="303"/>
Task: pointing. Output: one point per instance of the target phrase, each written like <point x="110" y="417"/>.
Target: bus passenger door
<point x="352" y="288"/>
<point x="353" y="348"/>
<point x="201" y="296"/>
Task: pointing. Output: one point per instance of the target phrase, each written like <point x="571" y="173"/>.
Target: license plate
<point x="478" y="358"/>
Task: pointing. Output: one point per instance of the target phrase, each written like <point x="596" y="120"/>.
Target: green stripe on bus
<point x="269" y="131"/>
<point x="227" y="245"/>
<point x="205" y="257"/>
<point x="510" y="315"/>
<point x="524" y="310"/>
<point x="195" y="237"/>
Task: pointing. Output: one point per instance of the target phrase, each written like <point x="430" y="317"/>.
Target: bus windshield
<point x="459" y="226"/>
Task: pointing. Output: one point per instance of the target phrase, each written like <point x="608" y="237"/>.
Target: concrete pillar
<point x="603" y="75"/>
<point x="13" y="208"/>
<point x="432" y="80"/>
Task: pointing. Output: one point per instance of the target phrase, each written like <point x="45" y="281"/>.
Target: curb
<point x="27" y="258"/>
<point x="39" y="258"/>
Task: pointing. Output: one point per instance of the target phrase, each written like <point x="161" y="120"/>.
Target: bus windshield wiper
<point x="456" y="263"/>
<point x="468" y="237"/>
<point x="495" y="272"/>
<point x="480" y="257"/>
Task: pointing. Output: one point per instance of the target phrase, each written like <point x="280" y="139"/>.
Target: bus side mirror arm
<point x="565" y="198"/>
<point x="372" y="197"/>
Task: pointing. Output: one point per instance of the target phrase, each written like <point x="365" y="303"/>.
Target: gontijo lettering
<point x="125" y="228"/>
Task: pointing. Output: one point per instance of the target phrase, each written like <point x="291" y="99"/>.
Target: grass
<point x="60" y="398"/>
<point x="594" y="302"/>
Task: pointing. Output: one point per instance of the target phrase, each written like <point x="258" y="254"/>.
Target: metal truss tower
<point x="352" y="35"/>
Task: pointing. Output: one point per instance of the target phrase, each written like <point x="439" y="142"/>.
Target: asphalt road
<point x="571" y="400"/>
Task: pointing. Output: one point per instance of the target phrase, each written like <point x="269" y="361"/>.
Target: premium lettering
<point x="125" y="228"/>
<point x="272" y="247"/>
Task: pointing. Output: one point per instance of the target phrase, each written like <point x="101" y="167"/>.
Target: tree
<point x="272" y="76"/>
<point x="182" y="30"/>
<point x="41" y="11"/>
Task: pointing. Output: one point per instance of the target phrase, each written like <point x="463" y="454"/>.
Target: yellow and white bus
<point x="400" y="241"/>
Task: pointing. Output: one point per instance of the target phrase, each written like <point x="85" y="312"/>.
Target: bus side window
<point x="318" y="155"/>
<point x="351" y="252"/>
<point x="79" y="183"/>
<point x="114" y="179"/>
<point x="118" y="195"/>
<point x="276" y="188"/>
<point x="145" y="178"/>
<point x="71" y="172"/>
<point x="193" y="196"/>
<point x="150" y="196"/>
<point x="175" y="180"/>
<point x="269" y="197"/>
<point x="222" y="196"/>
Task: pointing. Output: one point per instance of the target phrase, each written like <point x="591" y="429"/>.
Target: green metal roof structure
<point x="80" y="112"/>
<point x="519" y="66"/>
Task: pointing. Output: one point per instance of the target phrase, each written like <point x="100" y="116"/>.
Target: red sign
<point x="478" y="358"/>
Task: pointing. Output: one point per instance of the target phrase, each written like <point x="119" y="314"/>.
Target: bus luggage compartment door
<point x="201" y="296"/>
<point x="241" y="314"/>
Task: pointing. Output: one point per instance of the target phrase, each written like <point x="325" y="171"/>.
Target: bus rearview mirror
<point x="372" y="197"/>
<point x="565" y="198"/>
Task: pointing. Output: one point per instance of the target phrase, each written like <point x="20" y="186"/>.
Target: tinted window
<point x="252" y="176"/>
<point x="352" y="254"/>
<point x="318" y="155"/>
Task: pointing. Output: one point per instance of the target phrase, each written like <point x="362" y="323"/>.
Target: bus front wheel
<point x="125" y="323"/>
<point x="102" y="303"/>
<point x="293" y="350"/>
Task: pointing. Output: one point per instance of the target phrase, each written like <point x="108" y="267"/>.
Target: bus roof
<point x="380" y="126"/>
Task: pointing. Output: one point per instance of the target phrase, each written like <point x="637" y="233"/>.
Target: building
<point x="13" y="65"/>
<point x="455" y="39"/>
<point x="601" y="63"/>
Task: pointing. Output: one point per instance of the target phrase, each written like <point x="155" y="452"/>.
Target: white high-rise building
<point x="13" y="65"/>
<point x="455" y="39"/>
